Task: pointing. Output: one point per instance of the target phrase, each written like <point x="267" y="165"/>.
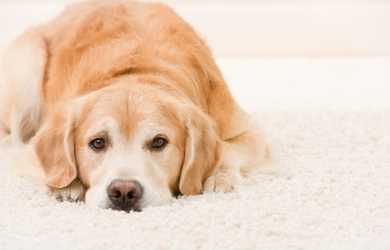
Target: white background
<point x="256" y="28"/>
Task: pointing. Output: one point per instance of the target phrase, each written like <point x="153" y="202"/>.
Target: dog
<point x="124" y="107"/>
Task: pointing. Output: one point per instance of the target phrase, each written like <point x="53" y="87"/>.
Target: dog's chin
<point x="127" y="210"/>
<point x="135" y="208"/>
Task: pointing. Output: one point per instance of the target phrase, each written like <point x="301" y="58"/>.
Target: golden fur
<point x="138" y="64"/>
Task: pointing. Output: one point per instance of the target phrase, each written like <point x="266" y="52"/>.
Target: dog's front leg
<point x="74" y="192"/>
<point x="224" y="179"/>
<point x="240" y="155"/>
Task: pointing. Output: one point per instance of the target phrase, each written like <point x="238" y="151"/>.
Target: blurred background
<point x="255" y="28"/>
<point x="275" y="53"/>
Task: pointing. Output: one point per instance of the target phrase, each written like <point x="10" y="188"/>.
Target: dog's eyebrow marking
<point x="103" y="133"/>
<point x="102" y="127"/>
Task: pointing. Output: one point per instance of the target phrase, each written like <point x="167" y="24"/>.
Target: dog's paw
<point x="223" y="180"/>
<point x="72" y="193"/>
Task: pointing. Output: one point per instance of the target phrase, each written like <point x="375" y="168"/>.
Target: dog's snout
<point x="125" y="194"/>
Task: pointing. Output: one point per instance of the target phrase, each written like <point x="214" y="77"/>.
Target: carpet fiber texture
<point x="329" y="189"/>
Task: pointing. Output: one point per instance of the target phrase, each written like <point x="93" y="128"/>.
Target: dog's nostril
<point x="130" y="195"/>
<point x="116" y="194"/>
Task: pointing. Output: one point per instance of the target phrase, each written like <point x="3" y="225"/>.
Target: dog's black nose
<point x="125" y="194"/>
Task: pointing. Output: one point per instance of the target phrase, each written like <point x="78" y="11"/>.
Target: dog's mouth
<point x="125" y="208"/>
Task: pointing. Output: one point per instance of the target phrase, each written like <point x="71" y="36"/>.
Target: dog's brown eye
<point x="158" y="143"/>
<point x="97" y="144"/>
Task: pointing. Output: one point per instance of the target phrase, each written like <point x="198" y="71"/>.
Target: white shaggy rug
<point x="328" y="122"/>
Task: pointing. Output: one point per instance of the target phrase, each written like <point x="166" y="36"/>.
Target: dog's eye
<point x="97" y="144"/>
<point x="158" y="143"/>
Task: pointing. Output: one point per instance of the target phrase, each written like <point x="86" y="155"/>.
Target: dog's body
<point x="119" y="97"/>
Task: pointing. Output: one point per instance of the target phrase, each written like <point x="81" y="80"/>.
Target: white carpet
<point x="328" y="122"/>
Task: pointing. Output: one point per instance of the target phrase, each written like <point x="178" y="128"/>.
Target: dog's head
<point x="130" y="147"/>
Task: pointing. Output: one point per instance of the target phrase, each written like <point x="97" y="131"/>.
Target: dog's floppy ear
<point x="55" y="150"/>
<point x="202" y="151"/>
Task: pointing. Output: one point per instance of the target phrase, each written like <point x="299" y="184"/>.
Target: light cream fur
<point x="127" y="71"/>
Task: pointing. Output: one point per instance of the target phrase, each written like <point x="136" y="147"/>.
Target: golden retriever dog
<point x="124" y="107"/>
